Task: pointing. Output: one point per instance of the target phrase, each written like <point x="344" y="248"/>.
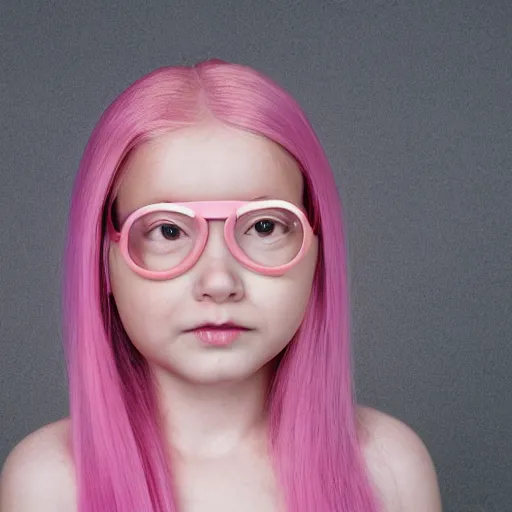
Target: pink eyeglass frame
<point x="202" y="211"/>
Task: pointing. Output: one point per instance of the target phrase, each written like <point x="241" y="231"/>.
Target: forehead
<point x="213" y="162"/>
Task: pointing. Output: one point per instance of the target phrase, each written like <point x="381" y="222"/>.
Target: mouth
<point x="218" y="335"/>
<point x="228" y="326"/>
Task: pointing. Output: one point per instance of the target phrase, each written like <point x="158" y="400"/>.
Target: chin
<point x="211" y="377"/>
<point x="218" y="371"/>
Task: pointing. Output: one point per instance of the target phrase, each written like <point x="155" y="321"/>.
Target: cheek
<point x="145" y="307"/>
<point x="284" y="300"/>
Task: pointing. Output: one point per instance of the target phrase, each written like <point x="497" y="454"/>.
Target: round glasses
<point x="163" y="240"/>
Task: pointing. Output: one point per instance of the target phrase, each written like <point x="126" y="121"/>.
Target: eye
<point x="170" y="231"/>
<point x="165" y="232"/>
<point x="265" y="227"/>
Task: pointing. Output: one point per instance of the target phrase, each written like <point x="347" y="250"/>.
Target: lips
<point x="219" y="335"/>
<point x="219" y="327"/>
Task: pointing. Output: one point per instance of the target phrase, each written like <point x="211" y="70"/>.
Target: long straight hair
<point x="120" y="455"/>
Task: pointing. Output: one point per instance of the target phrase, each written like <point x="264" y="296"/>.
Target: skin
<point x="217" y="424"/>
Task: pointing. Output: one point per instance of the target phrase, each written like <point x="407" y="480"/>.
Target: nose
<point x="217" y="271"/>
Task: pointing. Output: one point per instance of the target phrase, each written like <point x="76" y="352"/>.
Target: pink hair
<point x="119" y="453"/>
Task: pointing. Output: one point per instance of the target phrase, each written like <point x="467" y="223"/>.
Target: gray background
<point x="412" y="101"/>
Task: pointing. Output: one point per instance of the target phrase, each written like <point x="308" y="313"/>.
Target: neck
<point x="211" y="420"/>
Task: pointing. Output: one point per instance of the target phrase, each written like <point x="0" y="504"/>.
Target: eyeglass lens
<point x="161" y="240"/>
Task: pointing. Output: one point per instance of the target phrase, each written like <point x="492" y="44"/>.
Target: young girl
<point x="207" y="320"/>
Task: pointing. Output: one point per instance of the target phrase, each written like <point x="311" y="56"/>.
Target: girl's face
<point x="205" y="163"/>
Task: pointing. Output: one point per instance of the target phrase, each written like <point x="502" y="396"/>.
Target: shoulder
<point x="38" y="473"/>
<point x="398" y="462"/>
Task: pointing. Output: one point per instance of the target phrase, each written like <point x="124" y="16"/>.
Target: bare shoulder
<point x="399" y="463"/>
<point x="38" y="473"/>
